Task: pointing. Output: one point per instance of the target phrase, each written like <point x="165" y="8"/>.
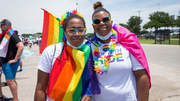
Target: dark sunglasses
<point x="104" y="20"/>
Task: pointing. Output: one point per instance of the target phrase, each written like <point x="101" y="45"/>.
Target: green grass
<point x="174" y="36"/>
<point x="147" y="41"/>
<point x="172" y="42"/>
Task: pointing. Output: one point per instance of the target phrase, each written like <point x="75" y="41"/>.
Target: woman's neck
<point x="106" y="41"/>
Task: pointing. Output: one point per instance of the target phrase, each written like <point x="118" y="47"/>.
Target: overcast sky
<point x="27" y="17"/>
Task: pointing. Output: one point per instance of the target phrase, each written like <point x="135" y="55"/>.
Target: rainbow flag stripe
<point x="52" y="32"/>
<point x="70" y="77"/>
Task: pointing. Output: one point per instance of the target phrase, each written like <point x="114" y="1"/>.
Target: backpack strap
<point x="53" y="55"/>
<point x="54" y="50"/>
<point x="61" y="52"/>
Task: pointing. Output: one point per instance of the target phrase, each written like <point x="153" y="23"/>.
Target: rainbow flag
<point x="52" y="32"/>
<point x="71" y="74"/>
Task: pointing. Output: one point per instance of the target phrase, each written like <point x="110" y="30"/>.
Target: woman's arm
<point x="142" y="83"/>
<point x="42" y="83"/>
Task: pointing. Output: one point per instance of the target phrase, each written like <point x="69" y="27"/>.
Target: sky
<point x="27" y="17"/>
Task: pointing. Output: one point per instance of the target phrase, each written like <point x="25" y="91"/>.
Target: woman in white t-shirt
<point x="62" y="73"/>
<point x="119" y="61"/>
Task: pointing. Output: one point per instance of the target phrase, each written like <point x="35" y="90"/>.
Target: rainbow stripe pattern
<point x="4" y="41"/>
<point x="105" y="48"/>
<point x="70" y="76"/>
<point x="52" y="32"/>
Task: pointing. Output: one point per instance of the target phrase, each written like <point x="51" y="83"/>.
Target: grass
<point x="174" y="36"/>
<point x="147" y="41"/>
<point x="172" y="42"/>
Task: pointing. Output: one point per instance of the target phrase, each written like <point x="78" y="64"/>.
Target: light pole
<point x="76" y="5"/>
<point x="139" y="20"/>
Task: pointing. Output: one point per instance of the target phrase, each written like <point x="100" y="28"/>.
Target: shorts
<point x="10" y="70"/>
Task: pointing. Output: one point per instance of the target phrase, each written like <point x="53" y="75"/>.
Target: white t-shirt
<point x="46" y="61"/>
<point x="119" y="83"/>
<point x="30" y="40"/>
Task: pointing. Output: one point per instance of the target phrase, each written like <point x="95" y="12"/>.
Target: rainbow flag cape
<point x="72" y="75"/>
<point x="52" y="32"/>
<point x="131" y="43"/>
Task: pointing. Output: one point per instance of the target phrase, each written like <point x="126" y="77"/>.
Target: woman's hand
<point x="86" y="98"/>
<point x="12" y="61"/>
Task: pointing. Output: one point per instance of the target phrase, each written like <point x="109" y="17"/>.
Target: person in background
<point x="67" y="64"/>
<point x="119" y="60"/>
<point x="11" y="49"/>
<point x="23" y="40"/>
<point x="39" y="42"/>
<point x="26" y="41"/>
<point x="30" y="42"/>
<point x="2" y="97"/>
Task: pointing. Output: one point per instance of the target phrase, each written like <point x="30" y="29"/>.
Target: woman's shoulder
<point x="59" y="45"/>
<point x="52" y="46"/>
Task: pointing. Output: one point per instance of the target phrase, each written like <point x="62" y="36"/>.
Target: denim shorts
<point x="10" y="70"/>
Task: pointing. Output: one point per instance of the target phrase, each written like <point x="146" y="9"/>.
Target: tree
<point x="134" y="24"/>
<point x="124" y="25"/>
<point x="159" y="19"/>
<point x="178" y="21"/>
<point x="144" y="32"/>
<point x="38" y="33"/>
<point x="172" y="21"/>
<point x="148" y="25"/>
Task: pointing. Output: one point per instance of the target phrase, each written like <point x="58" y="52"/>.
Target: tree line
<point x="35" y="34"/>
<point x="157" y="20"/>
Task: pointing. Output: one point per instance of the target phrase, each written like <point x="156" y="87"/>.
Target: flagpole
<point x="76" y="5"/>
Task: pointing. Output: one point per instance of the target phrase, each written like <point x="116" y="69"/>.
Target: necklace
<point x="107" y="58"/>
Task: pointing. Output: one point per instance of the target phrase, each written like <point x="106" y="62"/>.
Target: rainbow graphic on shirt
<point x="105" y="48"/>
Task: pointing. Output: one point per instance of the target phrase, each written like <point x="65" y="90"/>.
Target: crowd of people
<point x="110" y="66"/>
<point x="30" y="41"/>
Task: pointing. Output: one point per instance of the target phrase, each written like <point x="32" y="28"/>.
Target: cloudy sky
<point x="27" y="17"/>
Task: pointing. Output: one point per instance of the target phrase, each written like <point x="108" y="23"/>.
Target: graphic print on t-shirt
<point x="116" y="56"/>
<point x="105" y="48"/>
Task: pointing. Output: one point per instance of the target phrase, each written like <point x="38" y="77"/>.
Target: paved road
<point x="164" y="63"/>
<point x="164" y="55"/>
<point x="164" y="67"/>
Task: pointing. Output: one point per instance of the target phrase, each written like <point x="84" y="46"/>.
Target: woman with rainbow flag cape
<point x="119" y="61"/>
<point x="65" y="70"/>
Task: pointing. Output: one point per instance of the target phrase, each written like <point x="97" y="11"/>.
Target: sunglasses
<point x="72" y="31"/>
<point x="104" y="20"/>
